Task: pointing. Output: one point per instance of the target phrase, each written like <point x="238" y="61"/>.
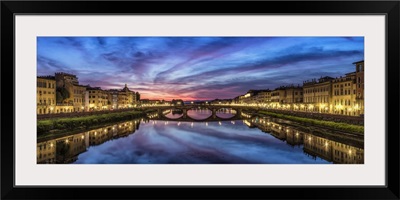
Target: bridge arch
<point x="199" y="112"/>
<point x="229" y="112"/>
<point x="171" y="113"/>
<point x="185" y="108"/>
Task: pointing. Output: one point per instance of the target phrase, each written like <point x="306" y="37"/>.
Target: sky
<point x="197" y="68"/>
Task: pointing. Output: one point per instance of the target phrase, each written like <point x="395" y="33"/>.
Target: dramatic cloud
<point x="201" y="68"/>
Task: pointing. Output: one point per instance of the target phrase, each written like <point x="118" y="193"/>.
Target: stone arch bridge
<point x="159" y="114"/>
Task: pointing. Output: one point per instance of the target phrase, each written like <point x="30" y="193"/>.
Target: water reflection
<point x="174" y="113"/>
<point x="315" y="146"/>
<point x="199" y="113"/>
<point x="247" y="141"/>
<point x="66" y="149"/>
<point x="226" y="113"/>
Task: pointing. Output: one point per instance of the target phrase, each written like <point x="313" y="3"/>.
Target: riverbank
<point x="341" y="126"/>
<point x="53" y="127"/>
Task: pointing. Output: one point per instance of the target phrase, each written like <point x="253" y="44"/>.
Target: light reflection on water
<point x="163" y="142"/>
<point x="200" y="114"/>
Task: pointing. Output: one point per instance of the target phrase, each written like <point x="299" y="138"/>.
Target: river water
<point x="249" y="140"/>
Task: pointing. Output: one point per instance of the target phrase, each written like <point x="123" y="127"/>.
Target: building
<point x="79" y="92"/>
<point x="112" y="97"/>
<point x="278" y="97"/>
<point x="70" y="95"/>
<point x="344" y="94"/>
<point x="293" y="95"/>
<point x="45" y="94"/>
<point x="263" y="97"/>
<point x="255" y="97"/>
<point x="359" y="107"/>
<point x="126" y="98"/>
<point x="98" y="99"/>
<point x="177" y="102"/>
<point x="317" y="95"/>
<point x="62" y="93"/>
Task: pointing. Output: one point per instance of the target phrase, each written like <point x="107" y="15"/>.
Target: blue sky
<point x="200" y="68"/>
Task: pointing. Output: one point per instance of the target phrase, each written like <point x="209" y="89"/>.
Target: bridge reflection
<point x="65" y="149"/>
<point x="161" y="113"/>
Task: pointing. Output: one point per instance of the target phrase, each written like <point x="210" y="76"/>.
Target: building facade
<point x="112" y="97"/>
<point x="79" y="92"/>
<point x="317" y="95"/>
<point x="98" y="99"/>
<point x="45" y="94"/>
<point x="126" y="98"/>
<point x="344" y="94"/>
<point x="359" y="107"/>
<point x="293" y="95"/>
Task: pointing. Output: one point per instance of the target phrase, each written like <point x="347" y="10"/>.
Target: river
<point x="250" y="140"/>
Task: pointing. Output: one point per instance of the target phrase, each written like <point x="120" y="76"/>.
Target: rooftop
<point x="47" y="77"/>
<point x="361" y="61"/>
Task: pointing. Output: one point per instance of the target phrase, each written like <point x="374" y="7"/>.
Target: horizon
<point x="197" y="68"/>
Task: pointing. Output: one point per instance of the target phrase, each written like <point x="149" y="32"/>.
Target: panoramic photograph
<point x="200" y="100"/>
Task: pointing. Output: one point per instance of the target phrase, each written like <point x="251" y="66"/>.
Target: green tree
<point x="62" y="94"/>
<point x="59" y="97"/>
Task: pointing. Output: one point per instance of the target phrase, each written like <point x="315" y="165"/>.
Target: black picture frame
<point x="11" y="8"/>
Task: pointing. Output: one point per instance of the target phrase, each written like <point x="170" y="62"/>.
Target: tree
<point x="62" y="94"/>
<point x="59" y="97"/>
